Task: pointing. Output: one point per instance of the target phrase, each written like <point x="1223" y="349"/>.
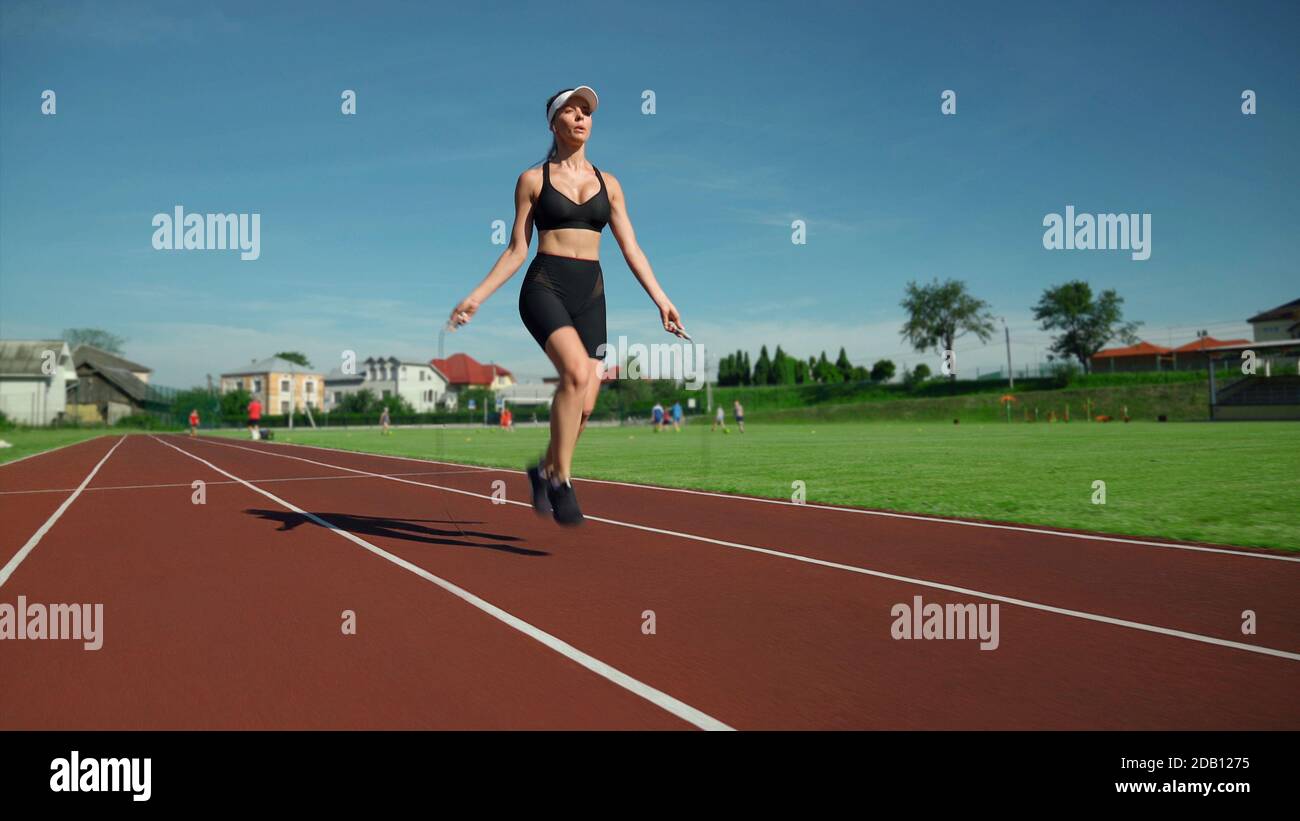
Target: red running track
<point x="473" y="614"/>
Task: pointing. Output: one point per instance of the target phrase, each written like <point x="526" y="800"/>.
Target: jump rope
<point x="442" y="332"/>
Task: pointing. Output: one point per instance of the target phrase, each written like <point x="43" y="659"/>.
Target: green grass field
<point x="27" y="441"/>
<point x="1235" y="483"/>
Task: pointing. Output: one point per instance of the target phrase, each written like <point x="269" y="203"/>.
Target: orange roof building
<point x="464" y="371"/>
<point x="1208" y="342"/>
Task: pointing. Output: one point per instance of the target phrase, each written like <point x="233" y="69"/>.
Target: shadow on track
<point x="406" y="529"/>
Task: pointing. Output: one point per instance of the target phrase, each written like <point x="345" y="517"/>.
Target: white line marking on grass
<point x="656" y="697"/>
<point x="1244" y="553"/>
<point x="1047" y="608"/>
<point x="25" y="550"/>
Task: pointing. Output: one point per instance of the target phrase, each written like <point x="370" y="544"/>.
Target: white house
<point x="35" y="375"/>
<point x="419" y="383"/>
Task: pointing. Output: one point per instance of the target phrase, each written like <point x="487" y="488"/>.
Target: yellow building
<point x="279" y="383"/>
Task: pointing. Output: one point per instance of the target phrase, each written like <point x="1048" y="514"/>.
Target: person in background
<point x="384" y="421"/>
<point x="656" y="417"/>
<point x="677" y="417"/>
<point x="255" y="418"/>
<point x="739" y="410"/>
<point x="719" y="418"/>
<point x="194" y="422"/>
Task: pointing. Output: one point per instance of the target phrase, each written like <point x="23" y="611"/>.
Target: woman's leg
<point x="593" y="389"/>
<point x="574" y="367"/>
<point x="588" y="405"/>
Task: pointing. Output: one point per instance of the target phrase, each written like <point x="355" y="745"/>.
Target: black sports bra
<point x="554" y="210"/>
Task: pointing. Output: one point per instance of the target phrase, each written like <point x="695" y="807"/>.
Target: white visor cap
<point x="582" y="92"/>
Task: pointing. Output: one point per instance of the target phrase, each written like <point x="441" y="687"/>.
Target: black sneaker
<point x="564" y="503"/>
<point x="541" y="504"/>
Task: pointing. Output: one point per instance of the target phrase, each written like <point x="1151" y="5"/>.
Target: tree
<point x="843" y="366"/>
<point x="746" y="372"/>
<point x="1086" y="324"/>
<point x="199" y="399"/>
<point x="916" y="376"/>
<point x="882" y="371"/>
<point x="299" y="359"/>
<point x="825" y="372"/>
<point x="783" y="368"/>
<point x="762" y="368"/>
<point x="939" y="314"/>
<point x="397" y="405"/>
<point x="235" y="403"/>
<point x="800" y="372"/>
<point x="362" y="401"/>
<point x="103" y="340"/>
<point x="726" y="369"/>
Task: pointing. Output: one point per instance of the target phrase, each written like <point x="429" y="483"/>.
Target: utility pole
<point x="293" y="393"/>
<point x="1010" y="375"/>
<point x="708" y="386"/>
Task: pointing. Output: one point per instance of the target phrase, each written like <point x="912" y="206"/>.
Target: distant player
<point x="677" y="417"/>
<point x="719" y="420"/>
<point x="507" y="419"/>
<point x="255" y="418"/>
<point x="739" y="410"/>
<point x="194" y="422"/>
<point x="657" y="417"/>
<point x="383" y="422"/>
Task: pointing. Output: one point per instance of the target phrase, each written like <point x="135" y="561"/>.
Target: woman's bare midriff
<point x="577" y="243"/>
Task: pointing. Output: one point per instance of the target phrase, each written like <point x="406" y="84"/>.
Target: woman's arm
<point x="621" y="226"/>
<point x="521" y="236"/>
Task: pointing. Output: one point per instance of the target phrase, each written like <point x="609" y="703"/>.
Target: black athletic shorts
<point x="560" y="291"/>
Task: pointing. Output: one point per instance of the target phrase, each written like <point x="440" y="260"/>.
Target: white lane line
<point x="17" y="558"/>
<point x="1244" y="553"/>
<point x="255" y="481"/>
<point x="656" y="697"/>
<point x="1047" y="608"/>
<point x="51" y="450"/>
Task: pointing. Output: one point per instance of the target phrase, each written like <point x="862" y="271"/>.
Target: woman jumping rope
<point x="562" y="300"/>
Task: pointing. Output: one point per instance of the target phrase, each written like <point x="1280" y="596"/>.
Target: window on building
<point x="284" y="385"/>
<point x="257" y="386"/>
<point x="338" y="397"/>
<point x="311" y="386"/>
<point x="284" y="406"/>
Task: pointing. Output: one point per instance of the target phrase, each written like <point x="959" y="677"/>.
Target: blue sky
<point x="374" y="225"/>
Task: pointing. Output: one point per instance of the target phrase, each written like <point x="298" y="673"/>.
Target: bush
<point x="143" y="421"/>
<point x="1064" y="373"/>
<point x="5" y="422"/>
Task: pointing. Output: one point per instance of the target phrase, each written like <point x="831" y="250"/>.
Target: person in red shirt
<point x="194" y="422"/>
<point x="254" y="418"/>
